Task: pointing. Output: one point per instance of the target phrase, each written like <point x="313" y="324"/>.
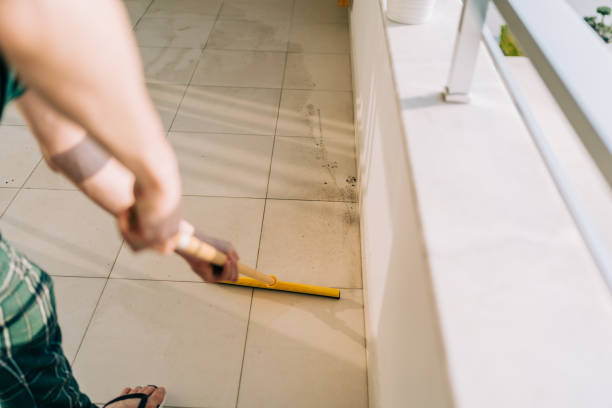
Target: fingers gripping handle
<point x="195" y="247"/>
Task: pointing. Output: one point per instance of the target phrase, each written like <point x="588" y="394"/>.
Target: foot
<point x="156" y="397"/>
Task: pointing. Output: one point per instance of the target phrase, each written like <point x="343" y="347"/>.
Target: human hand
<point x="208" y="271"/>
<point x="152" y="222"/>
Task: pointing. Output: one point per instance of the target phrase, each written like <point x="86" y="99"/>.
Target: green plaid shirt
<point x="10" y="86"/>
<point x="34" y="372"/>
<point x="26" y="300"/>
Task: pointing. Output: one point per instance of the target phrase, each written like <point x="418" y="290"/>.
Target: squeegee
<point x="255" y="279"/>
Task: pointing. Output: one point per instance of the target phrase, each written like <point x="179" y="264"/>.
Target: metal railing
<point x="577" y="69"/>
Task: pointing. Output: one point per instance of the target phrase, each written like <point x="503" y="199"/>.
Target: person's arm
<point x="67" y="149"/>
<point x="81" y="57"/>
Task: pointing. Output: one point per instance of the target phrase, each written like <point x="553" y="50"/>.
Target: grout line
<point x="280" y="99"/>
<point x="198" y="282"/>
<point x="246" y="336"/>
<point x="253" y="134"/>
<point x="76" y="276"/>
<point x="247" y="50"/>
<point x="31" y="172"/>
<point x="230" y="50"/>
<point x="193" y="14"/>
<point x="194" y="195"/>
<point x="10" y="202"/>
<point x="317" y="53"/>
<point x="289" y="21"/>
<point x="20" y="188"/>
<point x="222" y="133"/>
<point x="141" y="16"/>
<point x="178" y="108"/>
<point x="53" y="188"/>
<point x="274" y="199"/>
<point x="274" y="51"/>
<point x="256" y="20"/>
<point x="95" y="309"/>
<point x="263" y="217"/>
<point x="281" y="88"/>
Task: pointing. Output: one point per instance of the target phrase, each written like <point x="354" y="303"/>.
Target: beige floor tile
<point x="311" y="242"/>
<point x="237" y="220"/>
<point x="172" y="65"/>
<point x="228" y="110"/>
<point x="44" y="177"/>
<point x="12" y="116"/>
<point x="330" y="72"/>
<point x="63" y="232"/>
<point x="304" y="351"/>
<point x="136" y="9"/>
<point x="166" y="99"/>
<point x="76" y="300"/>
<point x="249" y="35"/>
<point x="331" y="38"/>
<point x="316" y="113"/>
<point x="184" y="8"/>
<point x="6" y="195"/>
<point x="186" y="32"/>
<point x="319" y="11"/>
<point x="187" y="336"/>
<point x="306" y="168"/>
<point x="223" y="164"/>
<point x="19" y="155"/>
<point x="256" y="69"/>
<point x="257" y="10"/>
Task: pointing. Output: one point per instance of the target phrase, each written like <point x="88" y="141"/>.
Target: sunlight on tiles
<point x="256" y="100"/>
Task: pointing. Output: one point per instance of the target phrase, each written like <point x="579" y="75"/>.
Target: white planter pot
<point x="410" y="11"/>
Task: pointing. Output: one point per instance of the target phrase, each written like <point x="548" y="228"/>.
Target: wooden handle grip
<point x="202" y="250"/>
<point x="255" y="274"/>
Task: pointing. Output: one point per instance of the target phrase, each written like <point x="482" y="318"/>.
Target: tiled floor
<point x="256" y="97"/>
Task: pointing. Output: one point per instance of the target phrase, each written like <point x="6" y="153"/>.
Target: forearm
<point x="111" y="188"/>
<point x="81" y="57"/>
<point x="67" y="149"/>
<point x="102" y="178"/>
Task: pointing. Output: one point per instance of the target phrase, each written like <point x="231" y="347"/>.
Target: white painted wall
<point x="479" y="291"/>
<point x="405" y="357"/>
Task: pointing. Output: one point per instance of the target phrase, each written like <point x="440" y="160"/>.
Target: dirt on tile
<point x="347" y="192"/>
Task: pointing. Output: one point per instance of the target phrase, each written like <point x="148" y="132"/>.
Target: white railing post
<point x="465" y="55"/>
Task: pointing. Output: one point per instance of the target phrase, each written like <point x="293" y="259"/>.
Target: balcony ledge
<point x="472" y="263"/>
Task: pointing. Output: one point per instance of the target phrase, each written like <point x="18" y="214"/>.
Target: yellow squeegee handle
<point x="200" y="249"/>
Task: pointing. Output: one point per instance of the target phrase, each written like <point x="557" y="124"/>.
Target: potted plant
<point x="508" y="43"/>
<point x="410" y="11"/>
<point x="601" y="28"/>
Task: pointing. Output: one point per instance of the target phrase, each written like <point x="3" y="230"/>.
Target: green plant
<point x="508" y="43"/>
<point x="604" y="11"/>
<point x="600" y="27"/>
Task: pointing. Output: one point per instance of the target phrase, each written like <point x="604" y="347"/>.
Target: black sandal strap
<point x="143" y="399"/>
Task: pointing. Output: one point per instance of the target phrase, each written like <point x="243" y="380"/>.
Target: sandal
<point x="143" y="399"/>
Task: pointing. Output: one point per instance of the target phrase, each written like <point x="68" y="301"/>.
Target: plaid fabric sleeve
<point x="34" y="371"/>
<point x="27" y="306"/>
<point x="10" y="86"/>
